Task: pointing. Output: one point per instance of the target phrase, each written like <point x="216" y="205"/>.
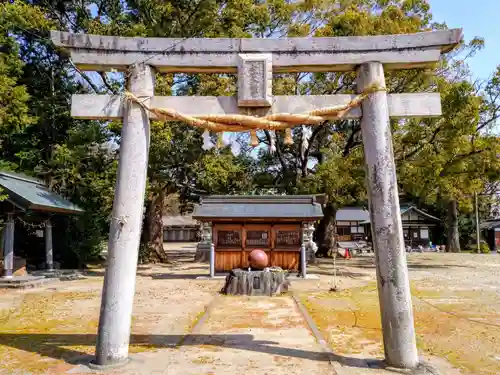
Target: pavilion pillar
<point x="124" y="237"/>
<point x="8" y="247"/>
<point x="387" y="232"/>
<point x="49" y="255"/>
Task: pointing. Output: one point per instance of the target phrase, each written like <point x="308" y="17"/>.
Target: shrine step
<point x="25" y="282"/>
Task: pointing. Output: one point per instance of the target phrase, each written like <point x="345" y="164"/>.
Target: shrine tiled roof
<point x="406" y="208"/>
<point x="352" y="214"/>
<point x="28" y="193"/>
<point x="302" y="207"/>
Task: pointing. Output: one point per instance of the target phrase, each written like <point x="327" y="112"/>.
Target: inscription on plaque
<point x="226" y="238"/>
<point x="287" y="238"/>
<point x="255" y="80"/>
<point x="257" y="238"/>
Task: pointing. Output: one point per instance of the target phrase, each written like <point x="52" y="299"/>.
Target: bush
<point x="484" y="248"/>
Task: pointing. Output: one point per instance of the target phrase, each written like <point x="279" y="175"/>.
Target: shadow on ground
<point x="56" y="346"/>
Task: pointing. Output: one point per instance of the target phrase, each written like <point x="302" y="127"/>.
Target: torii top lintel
<point x="404" y="51"/>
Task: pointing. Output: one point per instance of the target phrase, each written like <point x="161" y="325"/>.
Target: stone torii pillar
<point x="388" y="242"/>
<point x="125" y="232"/>
<point x="255" y="60"/>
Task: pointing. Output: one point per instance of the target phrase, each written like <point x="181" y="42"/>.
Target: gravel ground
<point x="456" y="299"/>
<point x="44" y="330"/>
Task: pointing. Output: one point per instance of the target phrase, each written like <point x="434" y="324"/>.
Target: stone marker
<point x="256" y="282"/>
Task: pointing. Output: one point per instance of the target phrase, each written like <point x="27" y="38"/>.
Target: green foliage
<point x="14" y="113"/>
<point x="340" y="178"/>
<point x="483" y="247"/>
<point x="438" y="160"/>
<point x="219" y="172"/>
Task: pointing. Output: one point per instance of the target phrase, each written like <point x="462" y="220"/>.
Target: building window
<point x="359" y="230"/>
<point x="424" y="234"/>
<point x="344" y="231"/>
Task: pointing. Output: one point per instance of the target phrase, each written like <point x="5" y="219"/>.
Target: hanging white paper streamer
<point x="306" y="134"/>
<point x="235" y="148"/>
<point x="272" y="143"/>
<point x="207" y="142"/>
<point x="226" y="138"/>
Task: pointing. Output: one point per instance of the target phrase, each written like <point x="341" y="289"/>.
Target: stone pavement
<point x="257" y="335"/>
<point x="240" y="335"/>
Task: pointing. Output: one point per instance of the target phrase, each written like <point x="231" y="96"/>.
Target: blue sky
<point x="477" y="18"/>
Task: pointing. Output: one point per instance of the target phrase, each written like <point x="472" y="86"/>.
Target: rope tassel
<point x="288" y="136"/>
<point x="254" y="141"/>
<point x="220" y="140"/>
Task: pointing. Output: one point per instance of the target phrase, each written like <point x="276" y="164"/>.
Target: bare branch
<point x="85" y="77"/>
<point x="278" y="151"/>
<point x="351" y="143"/>
<point x="106" y="83"/>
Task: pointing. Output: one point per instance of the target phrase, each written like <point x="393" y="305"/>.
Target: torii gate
<point x="254" y="60"/>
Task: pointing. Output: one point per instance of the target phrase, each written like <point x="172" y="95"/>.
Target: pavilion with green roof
<point x="27" y="195"/>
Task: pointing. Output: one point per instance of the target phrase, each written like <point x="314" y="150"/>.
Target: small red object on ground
<point x="258" y="259"/>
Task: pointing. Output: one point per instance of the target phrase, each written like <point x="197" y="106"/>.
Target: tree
<point x="291" y="164"/>
<point x="72" y="156"/>
<point x="14" y="97"/>
<point x="341" y="178"/>
<point x="450" y="158"/>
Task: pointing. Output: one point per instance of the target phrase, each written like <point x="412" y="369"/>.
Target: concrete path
<point x="240" y="335"/>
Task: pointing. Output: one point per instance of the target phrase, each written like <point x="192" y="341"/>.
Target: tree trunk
<point x="153" y="230"/>
<point x="453" y="242"/>
<point x="326" y="231"/>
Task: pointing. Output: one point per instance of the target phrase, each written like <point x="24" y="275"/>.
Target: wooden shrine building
<point x="236" y="225"/>
<point x="491" y="231"/>
<point x="419" y="227"/>
<point x="180" y="228"/>
<point x="31" y="203"/>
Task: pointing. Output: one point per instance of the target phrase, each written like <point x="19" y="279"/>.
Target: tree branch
<point x="278" y="151"/>
<point x="106" y="83"/>
<point x="308" y="150"/>
<point x="460" y="157"/>
<point x="430" y="142"/>
<point x="351" y="143"/>
<point x="85" y="77"/>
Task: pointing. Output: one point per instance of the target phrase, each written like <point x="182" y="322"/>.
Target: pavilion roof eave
<point x="258" y="208"/>
<point x="29" y="194"/>
<point x="411" y="208"/>
<point x="255" y="219"/>
<point x="423" y="213"/>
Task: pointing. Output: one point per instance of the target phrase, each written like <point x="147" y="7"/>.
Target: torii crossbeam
<point x="255" y="60"/>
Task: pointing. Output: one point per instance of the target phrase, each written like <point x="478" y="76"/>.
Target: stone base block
<point x="202" y="254"/>
<point x="25" y="282"/>
<point x="256" y="283"/>
<point x="19" y="267"/>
